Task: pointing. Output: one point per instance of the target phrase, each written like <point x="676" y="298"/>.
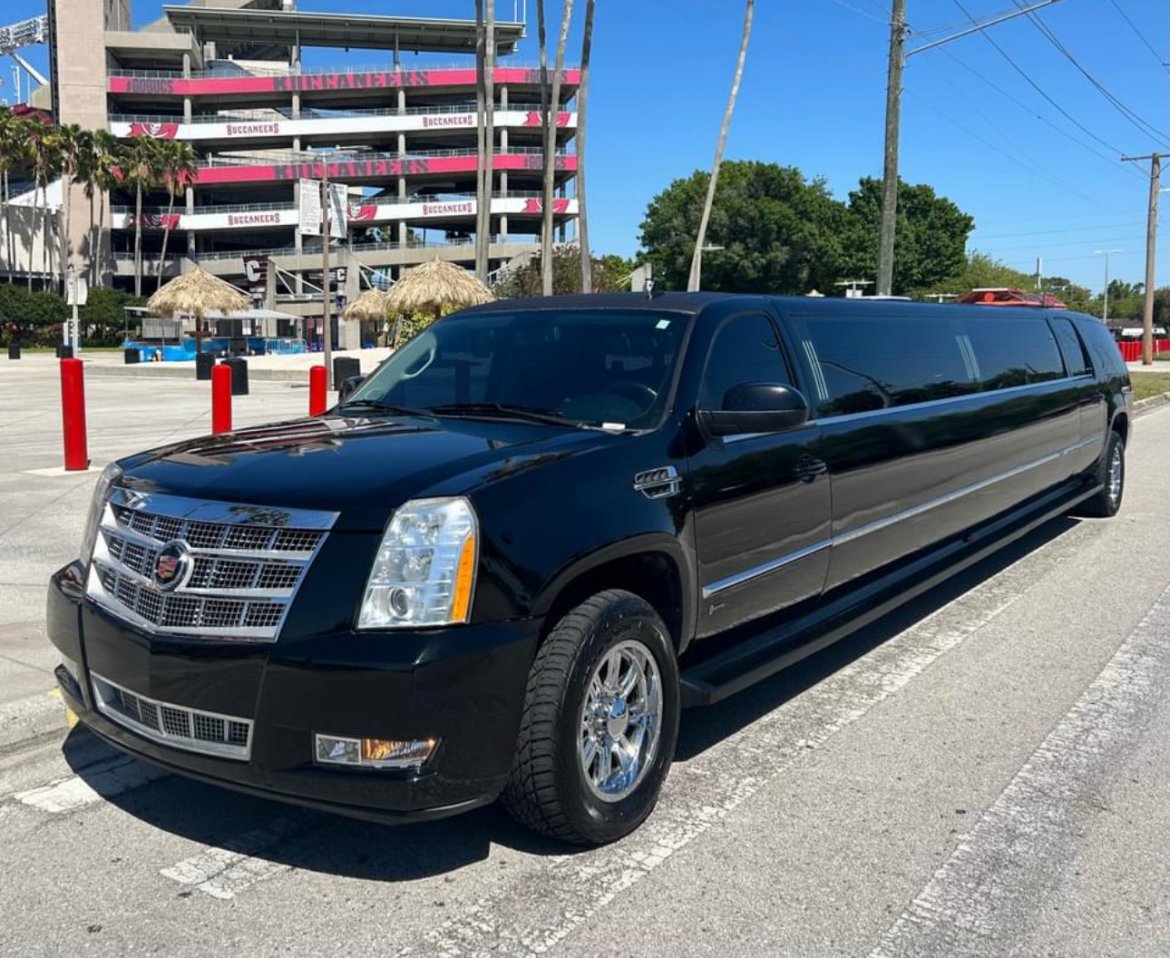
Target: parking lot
<point x="983" y="773"/>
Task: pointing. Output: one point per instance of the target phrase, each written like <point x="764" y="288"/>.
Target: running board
<point x="712" y="680"/>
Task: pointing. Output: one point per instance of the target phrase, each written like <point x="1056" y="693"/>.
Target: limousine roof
<point x="695" y="302"/>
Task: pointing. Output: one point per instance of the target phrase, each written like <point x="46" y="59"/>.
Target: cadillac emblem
<point x="172" y="565"/>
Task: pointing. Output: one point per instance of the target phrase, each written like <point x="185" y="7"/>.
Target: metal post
<point x="1105" y="297"/>
<point x="897" y="63"/>
<point x="326" y="331"/>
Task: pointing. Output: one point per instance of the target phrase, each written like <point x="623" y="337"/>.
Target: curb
<point x="1143" y="406"/>
<point x="32" y="719"/>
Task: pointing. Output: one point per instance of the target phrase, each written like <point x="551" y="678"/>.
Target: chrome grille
<point x="175" y="725"/>
<point x="241" y="565"/>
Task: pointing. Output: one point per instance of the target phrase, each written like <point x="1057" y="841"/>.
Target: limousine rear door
<point x="761" y="501"/>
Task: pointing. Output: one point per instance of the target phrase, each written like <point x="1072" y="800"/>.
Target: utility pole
<point x="326" y="331"/>
<point x="1105" y="302"/>
<point x="1151" y="244"/>
<point x="885" y="260"/>
<point x="898" y="57"/>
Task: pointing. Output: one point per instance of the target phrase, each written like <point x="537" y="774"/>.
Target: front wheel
<point x="1110" y="473"/>
<point x="600" y="723"/>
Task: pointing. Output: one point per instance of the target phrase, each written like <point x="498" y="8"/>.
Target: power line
<point x="1141" y="36"/>
<point x="1111" y="160"/>
<point x="1147" y="128"/>
<point x="1035" y="86"/>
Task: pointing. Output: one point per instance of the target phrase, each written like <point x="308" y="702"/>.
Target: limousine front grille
<point x="191" y="729"/>
<point x="207" y="569"/>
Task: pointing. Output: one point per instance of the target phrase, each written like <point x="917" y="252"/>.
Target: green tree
<point x="779" y="232"/>
<point x="100" y="175"/>
<point x="45" y="158"/>
<point x="15" y="135"/>
<point x="609" y="274"/>
<point x="75" y="146"/>
<point x="932" y="235"/>
<point x="582" y="106"/>
<point x="1077" y="298"/>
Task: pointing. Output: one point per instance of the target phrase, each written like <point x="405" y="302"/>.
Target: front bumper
<point x="464" y="686"/>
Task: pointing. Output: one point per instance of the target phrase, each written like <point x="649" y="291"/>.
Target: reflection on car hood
<point x="361" y="468"/>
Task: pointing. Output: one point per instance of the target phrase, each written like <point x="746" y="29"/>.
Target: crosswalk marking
<point x="103" y="780"/>
<point x="223" y="871"/>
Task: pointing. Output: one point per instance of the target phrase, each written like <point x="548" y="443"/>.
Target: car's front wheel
<point x="600" y="722"/>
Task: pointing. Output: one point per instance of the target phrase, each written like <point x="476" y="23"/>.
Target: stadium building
<point x="268" y="100"/>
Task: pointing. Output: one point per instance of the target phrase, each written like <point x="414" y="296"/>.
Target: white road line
<point x="701" y="793"/>
<point x="223" y="871"/>
<point x="975" y="904"/>
<point x="102" y="780"/>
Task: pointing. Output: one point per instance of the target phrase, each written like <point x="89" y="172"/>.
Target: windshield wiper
<point x="504" y="410"/>
<point x="391" y="408"/>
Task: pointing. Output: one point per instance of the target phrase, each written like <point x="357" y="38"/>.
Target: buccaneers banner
<point x="350" y="171"/>
<point x="320" y="82"/>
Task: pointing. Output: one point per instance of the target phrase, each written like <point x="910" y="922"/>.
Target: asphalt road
<point x="984" y="773"/>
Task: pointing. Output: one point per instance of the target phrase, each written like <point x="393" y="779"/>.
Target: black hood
<point x="361" y="468"/>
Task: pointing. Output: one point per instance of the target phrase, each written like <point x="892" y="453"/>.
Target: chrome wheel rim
<point x="1115" y="476"/>
<point x="621" y="721"/>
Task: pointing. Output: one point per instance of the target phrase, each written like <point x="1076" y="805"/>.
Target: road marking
<point x="701" y="793"/>
<point x="223" y="871"/>
<point x="101" y="780"/>
<point x="976" y="903"/>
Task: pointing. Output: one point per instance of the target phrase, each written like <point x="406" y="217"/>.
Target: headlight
<point x="424" y="573"/>
<point x="96" y="508"/>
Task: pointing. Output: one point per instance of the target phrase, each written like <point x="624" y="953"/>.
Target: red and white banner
<point x="371" y="80"/>
<point x="283" y="128"/>
<point x="359" y="213"/>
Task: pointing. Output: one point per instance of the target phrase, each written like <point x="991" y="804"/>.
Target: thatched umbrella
<point x="370" y="307"/>
<point x="197" y="293"/>
<point x="430" y="287"/>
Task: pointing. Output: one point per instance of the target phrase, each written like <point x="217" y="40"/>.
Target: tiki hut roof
<point x="370" y="307"/>
<point x="196" y="293"/>
<point x="431" y="286"/>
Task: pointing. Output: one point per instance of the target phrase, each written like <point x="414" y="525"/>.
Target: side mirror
<point x="348" y="387"/>
<point x="756" y="407"/>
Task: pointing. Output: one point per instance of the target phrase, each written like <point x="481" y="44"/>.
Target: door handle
<point x="808" y="468"/>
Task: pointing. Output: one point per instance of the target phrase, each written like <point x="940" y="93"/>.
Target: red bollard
<point x="316" y="390"/>
<point x="73" y="415"/>
<point x="221" y="398"/>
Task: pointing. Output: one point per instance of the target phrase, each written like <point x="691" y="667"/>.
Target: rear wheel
<point x="600" y="723"/>
<point x="1110" y="473"/>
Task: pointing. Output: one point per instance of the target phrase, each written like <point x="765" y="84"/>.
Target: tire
<point x="553" y="788"/>
<point x="1110" y="473"/>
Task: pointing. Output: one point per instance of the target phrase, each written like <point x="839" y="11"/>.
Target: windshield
<point x="589" y="367"/>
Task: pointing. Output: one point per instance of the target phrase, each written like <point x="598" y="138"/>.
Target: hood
<point x="361" y="468"/>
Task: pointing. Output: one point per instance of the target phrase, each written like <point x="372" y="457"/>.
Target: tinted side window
<point x="1076" y="358"/>
<point x="869" y="363"/>
<point x="1013" y="352"/>
<point x="745" y="350"/>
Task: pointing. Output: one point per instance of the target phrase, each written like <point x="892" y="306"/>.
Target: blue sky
<point x="813" y="97"/>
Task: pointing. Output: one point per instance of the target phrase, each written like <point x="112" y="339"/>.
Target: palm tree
<point x="550" y="150"/>
<point x="45" y="152"/>
<point x="13" y="156"/>
<point x="480" y="138"/>
<point x="179" y="167"/>
<point x="545" y="248"/>
<point x="142" y="174"/>
<point x="697" y="255"/>
<point x="74" y="144"/>
<point x="100" y="175"/>
<point x="582" y="93"/>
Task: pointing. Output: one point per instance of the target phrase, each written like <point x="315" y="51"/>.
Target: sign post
<point x="77" y="294"/>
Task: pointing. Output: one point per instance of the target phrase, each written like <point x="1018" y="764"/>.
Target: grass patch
<point x="1146" y="385"/>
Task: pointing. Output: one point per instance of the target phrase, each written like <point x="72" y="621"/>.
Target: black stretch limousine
<point x="504" y="563"/>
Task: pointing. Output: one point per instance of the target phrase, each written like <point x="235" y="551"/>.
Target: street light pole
<point x="898" y="57"/>
<point x="326" y="331"/>
<point x="1105" y="301"/>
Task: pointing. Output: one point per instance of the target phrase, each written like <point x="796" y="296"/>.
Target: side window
<point x="1013" y="352"/>
<point x="875" y="362"/>
<point x="745" y="350"/>
<point x="1076" y="358"/>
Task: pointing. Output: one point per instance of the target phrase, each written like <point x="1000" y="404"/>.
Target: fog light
<point x="373" y="752"/>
